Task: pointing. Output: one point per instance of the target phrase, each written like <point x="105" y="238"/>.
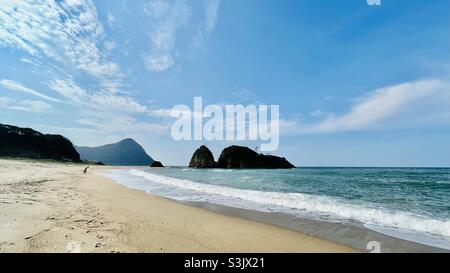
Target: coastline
<point x="53" y="207"/>
<point x="352" y="232"/>
<point x="355" y="236"/>
<point x="46" y="206"/>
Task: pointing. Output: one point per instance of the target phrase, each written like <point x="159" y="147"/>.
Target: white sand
<point x="52" y="207"/>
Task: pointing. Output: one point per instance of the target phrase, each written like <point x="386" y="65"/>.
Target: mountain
<point x="124" y="153"/>
<point x="28" y="143"/>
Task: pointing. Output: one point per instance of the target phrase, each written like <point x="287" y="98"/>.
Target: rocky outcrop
<point x="202" y="158"/>
<point x="274" y="162"/>
<point x="28" y="143"/>
<point x="238" y="157"/>
<point x="157" y="164"/>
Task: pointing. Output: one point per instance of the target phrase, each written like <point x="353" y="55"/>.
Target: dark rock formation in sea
<point x="202" y="158"/>
<point x="157" y="164"/>
<point x="124" y="153"/>
<point x="28" y="143"/>
<point x="238" y="157"/>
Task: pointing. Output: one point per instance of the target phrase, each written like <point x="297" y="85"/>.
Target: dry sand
<point x="53" y="207"/>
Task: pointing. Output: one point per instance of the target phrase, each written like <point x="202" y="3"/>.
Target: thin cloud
<point x="16" y="86"/>
<point x="413" y="104"/>
<point x="64" y="31"/>
<point x="211" y="14"/>
<point x="97" y="100"/>
<point x="317" y="113"/>
<point x="125" y="125"/>
<point x="117" y="103"/>
<point x="110" y="45"/>
<point x="25" y="105"/>
<point x="166" y="19"/>
<point x="68" y="89"/>
<point x="110" y="19"/>
<point x="64" y="38"/>
<point x="32" y="106"/>
<point x="67" y="38"/>
<point x="245" y="95"/>
<point x="6" y="102"/>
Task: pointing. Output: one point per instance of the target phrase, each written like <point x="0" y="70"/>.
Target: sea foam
<point x="297" y="204"/>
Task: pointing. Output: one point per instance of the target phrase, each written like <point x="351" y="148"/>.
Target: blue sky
<point x="357" y="85"/>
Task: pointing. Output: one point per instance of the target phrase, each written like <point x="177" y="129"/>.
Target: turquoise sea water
<point x="410" y="203"/>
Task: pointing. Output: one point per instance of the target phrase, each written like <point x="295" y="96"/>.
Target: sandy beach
<point x="53" y="207"/>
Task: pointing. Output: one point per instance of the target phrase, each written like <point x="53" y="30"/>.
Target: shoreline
<point x="53" y="207"/>
<point x="353" y="233"/>
<point x="46" y="206"/>
<point x="355" y="236"/>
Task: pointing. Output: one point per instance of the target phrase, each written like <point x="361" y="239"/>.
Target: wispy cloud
<point x="117" y="103"/>
<point x="64" y="31"/>
<point x="62" y="37"/>
<point x="25" y="105"/>
<point x="68" y="89"/>
<point x="412" y="104"/>
<point x="16" y="86"/>
<point x="317" y="113"/>
<point x="67" y="38"/>
<point x="166" y="20"/>
<point x="79" y="136"/>
<point x="110" y="45"/>
<point x="125" y="125"/>
<point x="96" y="99"/>
<point x="32" y="106"/>
<point x="211" y="14"/>
<point x="104" y="112"/>
<point x="110" y="19"/>
<point x="95" y="132"/>
<point x="244" y="95"/>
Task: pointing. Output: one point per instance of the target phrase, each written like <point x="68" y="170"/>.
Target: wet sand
<point x="354" y="235"/>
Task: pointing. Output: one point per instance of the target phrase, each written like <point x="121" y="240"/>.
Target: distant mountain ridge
<point x="123" y="153"/>
<point x="28" y="143"/>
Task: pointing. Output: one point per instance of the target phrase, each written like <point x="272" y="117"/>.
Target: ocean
<point x="408" y="203"/>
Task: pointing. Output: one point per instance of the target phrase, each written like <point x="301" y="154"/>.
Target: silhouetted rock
<point x="124" y="153"/>
<point x="202" y="158"/>
<point x="274" y="162"/>
<point x="157" y="164"/>
<point x="238" y="157"/>
<point x="28" y="143"/>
